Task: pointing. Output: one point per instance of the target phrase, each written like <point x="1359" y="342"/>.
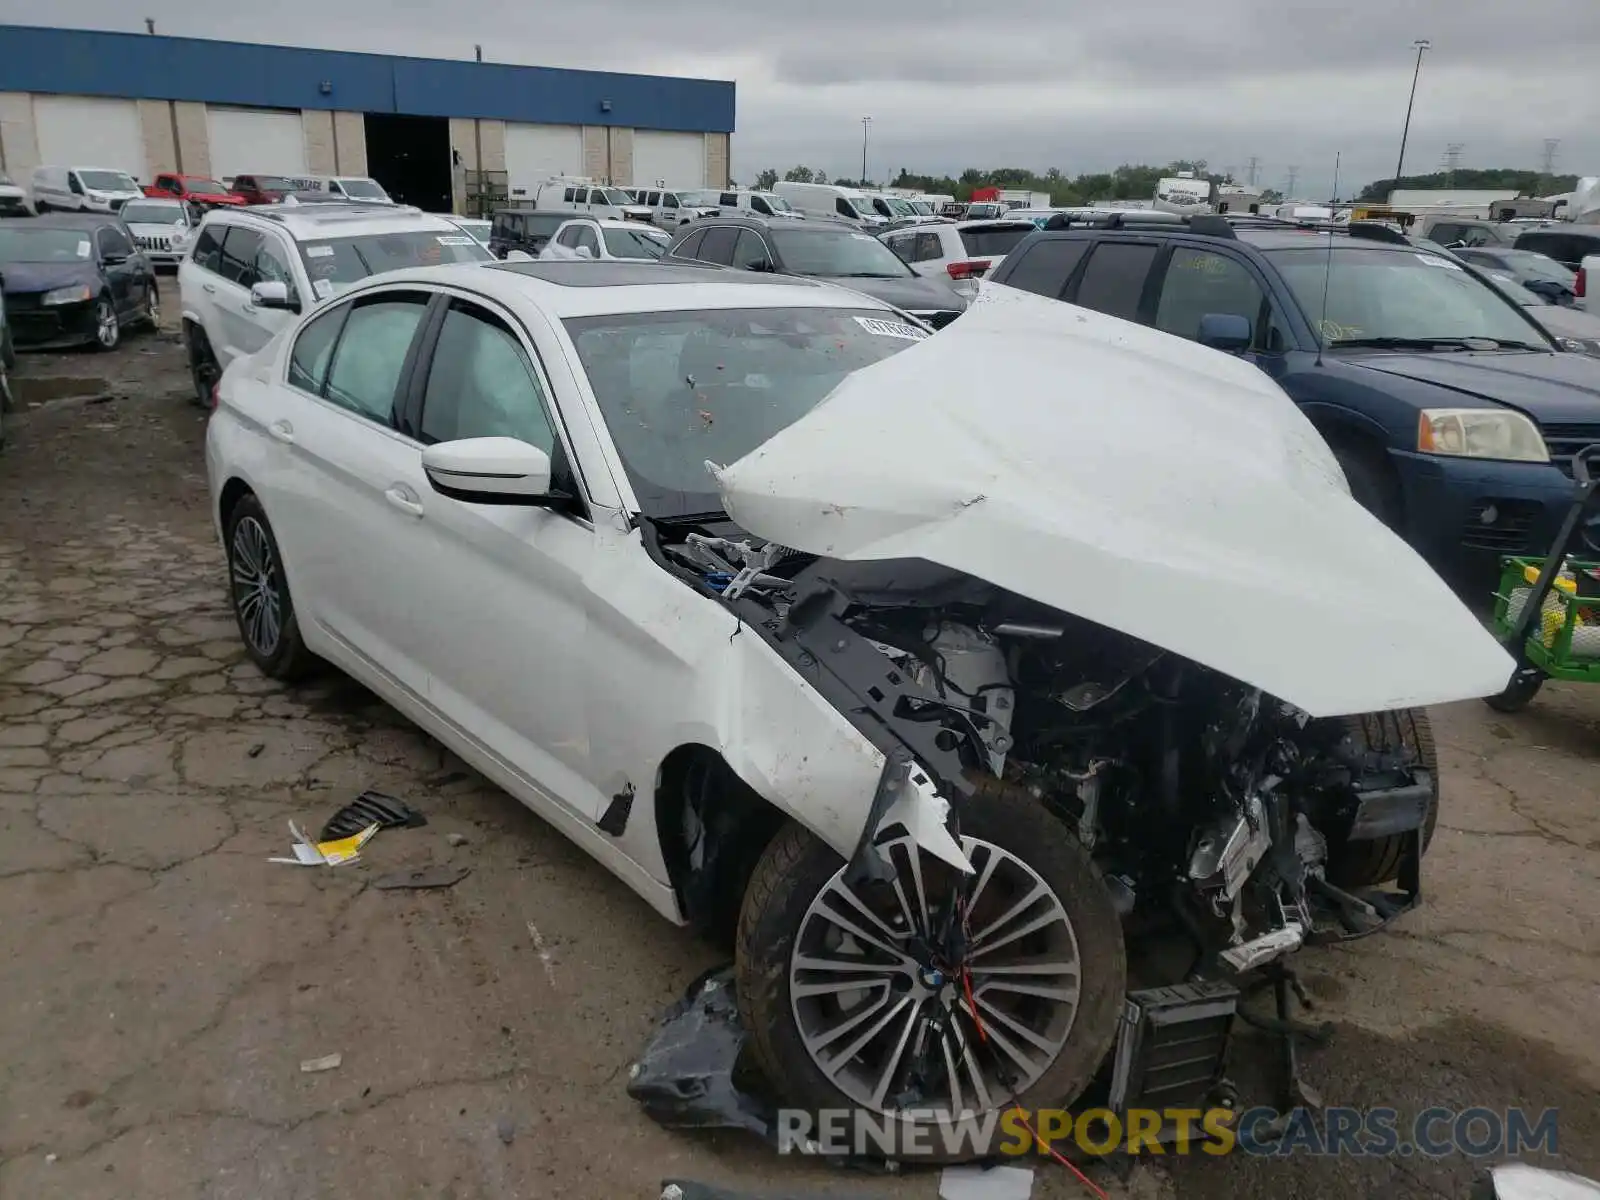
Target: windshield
<point x="477" y="229"/>
<point x="899" y="208"/>
<point x="922" y="207"/>
<point x="1539" y="266"/>
<point x="836" y="253"/>
<point x="701" y="199"/>
<point x="614" y="196"/>
<point x="205" y="187"/>
<point x="635" y="243"/>
<point x="337" y="261"/>
<point x="153" y="212"/>
<point x="107" y="181"/>
<point x="862" y="205"/>
<point x="363" y="189"/>
<point x="272" y="183"/>
<point x="775" y="202"/>
<point x="1391" y="294"/>
<point x="680" y="389"/>
<point x="44" y="245"/>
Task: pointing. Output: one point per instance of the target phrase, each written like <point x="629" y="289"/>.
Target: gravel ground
<point x="162" y="981"/>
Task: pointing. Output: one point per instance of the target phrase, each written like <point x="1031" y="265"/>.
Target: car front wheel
<point x="934" y="994"/>
<point x="259" y="589"/>
<point x="107" y="329"/>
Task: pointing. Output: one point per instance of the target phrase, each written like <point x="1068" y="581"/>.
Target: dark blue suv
<point x="1454" y="415"/>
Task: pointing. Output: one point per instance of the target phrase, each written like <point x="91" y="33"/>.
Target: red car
<point x="196" y="189"/>
<point x="262" y="189"/>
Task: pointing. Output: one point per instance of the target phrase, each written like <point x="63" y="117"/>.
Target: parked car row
<point x="100" y="189"/>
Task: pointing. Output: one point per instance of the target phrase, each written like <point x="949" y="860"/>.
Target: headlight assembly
<point x="1480" y="433"/>
<point x="75" y="294"/>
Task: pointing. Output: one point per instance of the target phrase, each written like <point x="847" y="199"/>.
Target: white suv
<point x="249" y="270"/>
<point x="959" y="252"/>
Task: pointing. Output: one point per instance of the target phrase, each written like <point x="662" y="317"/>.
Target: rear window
<point x="995" y="239"/>
<point x="335" y="262"/>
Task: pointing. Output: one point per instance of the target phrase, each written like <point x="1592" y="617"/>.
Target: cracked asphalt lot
<point x="161" y="982"/>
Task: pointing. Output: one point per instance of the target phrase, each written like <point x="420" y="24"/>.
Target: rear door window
<point x="690" y="246"/>
<point x="1045" y="267"/>
<point x="750" y="249"/>
<point x="239" y="249"/>
<point x="718" y="246"/>
<point x="1113" y="282"/>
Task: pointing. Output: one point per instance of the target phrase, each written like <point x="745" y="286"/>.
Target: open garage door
<point x="256" y="141"/>
<point x="675" y="160"/>
<point x="87" y="131"/>
<point x="535" y="153"/>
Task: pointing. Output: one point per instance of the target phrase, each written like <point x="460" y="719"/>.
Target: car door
<point x="120" y="270"/>
<point x="229" y="290"/>
<point x="502" y="607"/>
<point x="345" y="491"/>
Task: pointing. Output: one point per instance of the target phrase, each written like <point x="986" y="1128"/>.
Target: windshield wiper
<point x="1434" y="343"/>
<point x="710" y="517"/>
<point x="866" y="275"/>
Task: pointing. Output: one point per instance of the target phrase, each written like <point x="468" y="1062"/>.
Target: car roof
<point x="313" y="221"/>
<point x="579" y="289"/>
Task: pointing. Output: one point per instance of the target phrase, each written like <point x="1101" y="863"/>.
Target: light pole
<point x="1422" y="45"/>
<point x="866" y="122"/>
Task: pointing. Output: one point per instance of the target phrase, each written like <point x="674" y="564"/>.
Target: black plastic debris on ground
<point x="685" y="1077"/>
<point x="367" y="809"/>
<point x="421" y="879"/>
<point x="688" y="1189"/>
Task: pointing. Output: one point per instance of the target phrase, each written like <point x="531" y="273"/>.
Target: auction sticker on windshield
<point x="454" y="239"/>
<point x="83" y="249"/>
<point x="319" y="251"/>
<point x="892" y="329"/>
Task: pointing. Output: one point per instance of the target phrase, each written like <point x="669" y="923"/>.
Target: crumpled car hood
<point x="1132" y="478"/>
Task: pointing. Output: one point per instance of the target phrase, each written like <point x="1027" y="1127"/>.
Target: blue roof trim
<point x="79" y="62"/>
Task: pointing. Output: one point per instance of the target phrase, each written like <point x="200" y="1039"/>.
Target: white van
<point x="732" y="202"/>
<point x="670" y="209"/>
<point x="571" y="194"/>
<point x="359" y="189"/>
<point x="83" y="189"/>
<point x="831" y="201"/>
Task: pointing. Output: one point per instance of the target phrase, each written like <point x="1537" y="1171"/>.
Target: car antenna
<point x="1327" y="274"/>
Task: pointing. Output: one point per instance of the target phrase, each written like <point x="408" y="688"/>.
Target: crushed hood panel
<point x="1132" y="478"/>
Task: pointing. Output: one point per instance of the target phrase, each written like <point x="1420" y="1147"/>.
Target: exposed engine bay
<point x="1203" y="801"/>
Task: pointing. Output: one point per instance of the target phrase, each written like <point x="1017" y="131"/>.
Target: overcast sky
<point x="1031" y="83"/>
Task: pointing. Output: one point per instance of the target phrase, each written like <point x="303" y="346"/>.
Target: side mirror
<point x="583" y="252"/>
<point x="490" y="470"/>
<point x="113" y="260"/>
<point x="272" y="293"/>
<point x="1227" y="332"/>
<point x="518" y="256"/>
<point x="759" y="264"/>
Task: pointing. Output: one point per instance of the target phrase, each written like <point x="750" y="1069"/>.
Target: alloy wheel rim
<point x="152" y="309"/>
<point x="933" y="993"/>
<point x="106" y="323"/>
<point x="255" y="587"/>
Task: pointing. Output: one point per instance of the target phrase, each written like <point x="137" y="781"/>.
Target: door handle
<point x="209" y="287"/>
<point x="282" y="431"/>
<point x="404" y="499"/>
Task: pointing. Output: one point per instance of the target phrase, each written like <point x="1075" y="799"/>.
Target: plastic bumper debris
<point x="421" y="878"/>
<point x="371" y="808"/>
<point x="684" y="1078"/>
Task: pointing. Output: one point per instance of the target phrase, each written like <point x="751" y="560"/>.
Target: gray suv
<point x="823" y="250"/>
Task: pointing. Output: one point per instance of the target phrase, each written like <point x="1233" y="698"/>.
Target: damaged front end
<point x="1168" y="772"/>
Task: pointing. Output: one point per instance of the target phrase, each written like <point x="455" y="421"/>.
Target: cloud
<point x="1033" y="83"/>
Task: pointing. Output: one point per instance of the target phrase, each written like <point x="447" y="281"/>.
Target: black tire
<point x="108" y="326"/>
<point x="152" y="308"/>
<point x="796" y="866"/>
<point x="1372" y="483"/>
<point x="1519" y="693"/>
<point x="282" y="655"/>
<point x="1371" y="863"/>
<point x="203" y="372"/>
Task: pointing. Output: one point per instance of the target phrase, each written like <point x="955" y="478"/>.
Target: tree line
<point x="1129" y="182"/>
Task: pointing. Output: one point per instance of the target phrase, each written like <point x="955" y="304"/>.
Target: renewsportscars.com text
<point x="1338" y="1132"/>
